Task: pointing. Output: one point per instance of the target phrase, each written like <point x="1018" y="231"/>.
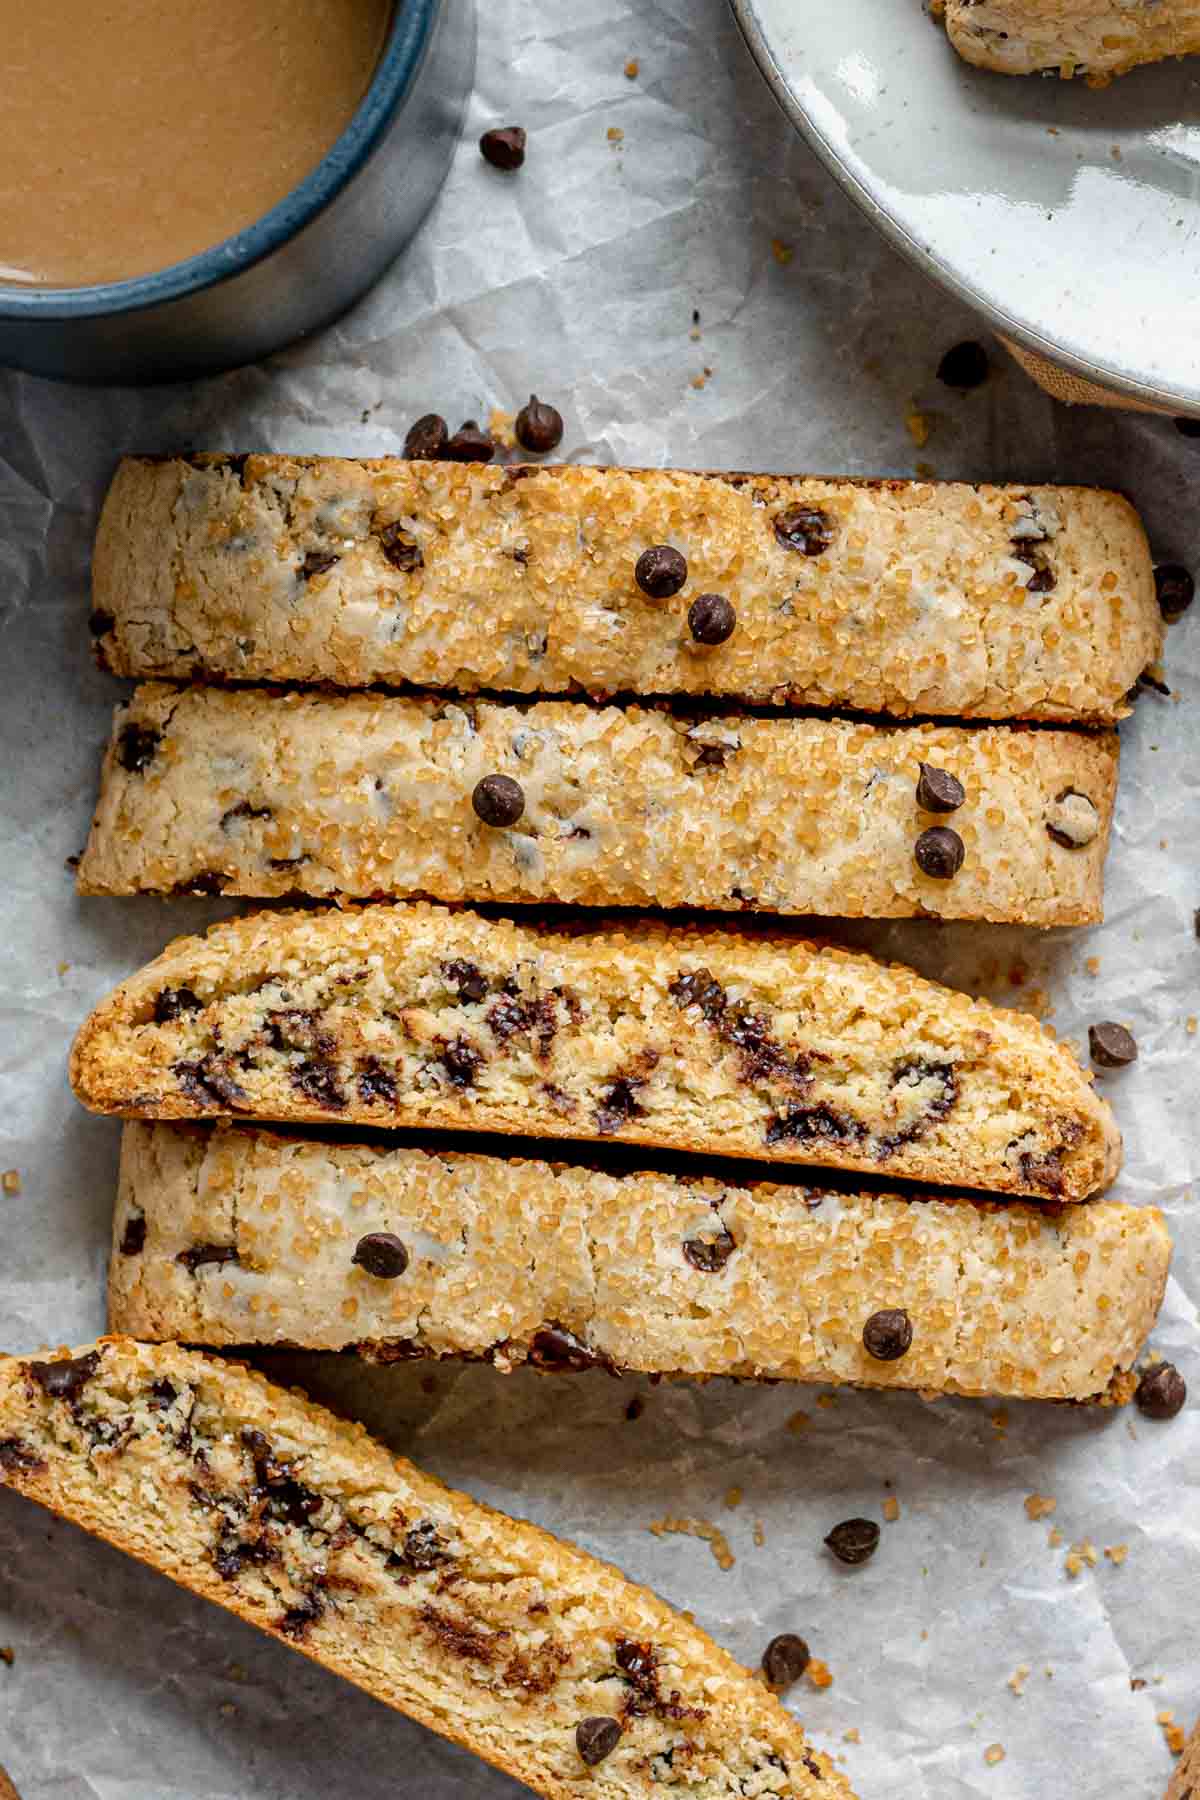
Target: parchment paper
<point x="578" y="278"/>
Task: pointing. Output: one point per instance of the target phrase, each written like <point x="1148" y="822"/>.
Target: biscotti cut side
<point x="1096" y="38"/>
<point x="1185" y="1783"/>
<point x="486" y="1629"/>
<point x="884" y="596"/>
<point x="694" y="1040"/>
<point x="233" y="1236"/>
<point x="239" y="791"/>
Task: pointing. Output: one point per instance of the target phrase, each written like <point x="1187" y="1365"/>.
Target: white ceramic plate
<point x="1069" y="216"/>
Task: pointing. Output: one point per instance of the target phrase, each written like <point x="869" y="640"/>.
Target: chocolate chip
<point x="939" y="853"/>
<point x="503" y="146"/>
<point x="209" y="1081"/>
<point x="938" y="791"/>
<point x="1161" y="1392"/>
<point x="597" y="1738"/>
<point x="317" y="562"/>
<point x="498" y="800"/>
<point x="133" y="1238"/>
<point x="554" y="1347"/>
<point x="462" y="1062"/>
<point x="887" y="1335"/>
<point x="376" y="1085"/>
<point x="660" y="571"/>
<point x="400" y="548"/>
<point x="709" y="1254"/>
<point x="854" y="1541"/>
<point x="1111" y="1046"/>
<point x="317" y="1079"/>
<point x="381" y="1254"/>
<point x="618" y="1104"/>
<point x="1176" y="589"/>
<point x="785" y="1659"/>
<point x="469" y="981"/>
<point x="65" y="1380"/>
<point x="136" y="747"/>
<point x="539" y="427"/>
<point x="100" y="622"/>
<point x="427" y="438"/>
<point x="423" y="1549"/>
<point x="172" y="1003"/>
<point x="711" y="619"/>
<point x="244" y="810"/>
<point x="469" y="444"/>
<point x="805" y="528"/>
<point x="200" y="1255"/>
<point x="964" y="366"/>
<point x="1073" y="820"/>
<point x="19" y="1458"/>
<point x="207" y="883"/>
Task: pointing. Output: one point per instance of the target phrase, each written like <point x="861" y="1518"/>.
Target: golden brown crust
<point x="1185" y="1783"/>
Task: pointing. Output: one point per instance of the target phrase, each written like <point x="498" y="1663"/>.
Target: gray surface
<point x="578" y="278"/>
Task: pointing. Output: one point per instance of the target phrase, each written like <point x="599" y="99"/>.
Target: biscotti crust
<point x="485" y="1628"/>
<point x="1096" y="38"/>
<point x="232" y="1236"/>
<point x="242" y="791"/>
<point x="1185" y="1783"/>
<point x="912" y="597"/>
<point x="687" y="1039"/>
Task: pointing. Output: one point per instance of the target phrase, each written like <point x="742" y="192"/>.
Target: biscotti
<point x="239" y="791"/>
<point x="1185" y="1783"/>
<point x="693" y="1040"/>
<point x="1096" y="38"/>
<point x="234" y="1236"/>
<point x="888" y="596"/>
<point x="486" y="1629"/>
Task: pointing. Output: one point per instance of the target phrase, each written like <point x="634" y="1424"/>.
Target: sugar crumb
<point x="1080" y="1555"/>
<point x="826" y="1401"/>
<point x="1018" y="1678"/>
<point x="708" y="1533"/>
<point x="919" y="427"/>
<point x="10" y="1181"/>
<point x="1191" y="1024"/>
<point x="500" y="427"/>
<point x="733" y="1497"/>
<point x="760" y="1536"/>
<point x="1040" y="1506"/>
<point x="1054" y="1537"/>
<point x="1175" y="1735"/>
<point x="614" y="134"/>
<point x="851" y="1735"/>
<point x="783" y="253"/>
<point x="62" y="967"/>
<point x="818" y="1673"/>
<point x="891" y="1509"/>
<point x="799" y="1421"/>
<point x="994" y="1754"/>
<point x="633" y="69"/>
<point x="1092" y="965"/>
<point x="1116" y="1553"/>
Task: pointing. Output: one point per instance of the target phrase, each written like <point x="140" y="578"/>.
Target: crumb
<point x="1018" y="975"/>
<point x="1049" y="1672"/>
<point x="697" y="1528"/>
<point x="1052" y="131"/>
<point x="635" y="1409"/>
<point x="236" y="1672"/>
<point x="62" y="967"/>
<point x="1115" y="153"/>
<point x="1092" y="965"/>
<point x="1037" y="1001"/>
<point x="994" y="1754"/>
<point x="227" y="1709"/>
<point x="500" y="427"/>
<point x="698" y="381"/>
<point x="1040" y="1506"/>
<point x="8" y="1655"/>
<point x="999" y="1421"/>
<point x="760" y="1536"/>
<point x="1116" y="1553"/>
<point x="924" y="470"/>
<point x="1018" y="1678"/>
<point x="1054" y="1537"/>
<point x="799" y="1421"/>
<point x="924" y="1635"/>
<point x="891" y="1509"/>
<point x="614" y="134"/>
<point x="733" y="1498"/>
<point x="633" y="69"/>
<point x="694" y="334"/>
<point x="919" y="427"/>
<point x="10" y="1181"/>
<point x="689" y="1616"/>
<point x="1137" y="1683"/>
<point x="1190" y="1024"/>
<point x="826" y="1401"/>
<point x="783" y="253"/>
<point x="1079" y="1555"/>
<point x="818" y="1673"/>
<point x="1163" y="844"/>
<point x="851" y="1735"/>
<point x="1175" y="1735"/>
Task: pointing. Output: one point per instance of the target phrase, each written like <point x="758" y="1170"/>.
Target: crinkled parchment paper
<point x="578" y="278"/>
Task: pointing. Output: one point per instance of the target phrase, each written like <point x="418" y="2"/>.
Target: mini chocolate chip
<point x="172" y="1003"/>
<point x="462" y="1062"/>
<point x="660" y="571"/>
<point x="554" y="1347"/>
<point x="805" y="528"/>
<point x="539" y="427"/>
<point x="207" y="883"/>
<point x="709" y="1254"/>
<point x="133" y="1238"/>
<point x="401" y="549"/>
<point x="469" y="444"/>
<point x="100" y="622"/>
<point x="136" y="747"/>
<point x="317" y="562"/>
<point x="200" y="1255"/>
<point x="887" y="1335"/>
<point x="785" y="1659"/>
<point x="1176" y="589"/>
<point x="1111" y="1046"/>
<point x="938" y="791"/>
<point x="498" y="800"/>
<point x="854" y="1541"/>
<point x="964" y="366"/>
<point x="65" y="1380"/>
<point x="1161" y="1392"/>
<point x="381" y="1254"/>
<point x="597" y="1738"/>
<point x="1042" y="581"/>
<point x="711" y="619"/>
<point x="469" y="980"/>
<point x="427" y="438"/>
<point x="376" y="1085"/>
<point x="939" y="852"/>
<point x="503" y="146"/>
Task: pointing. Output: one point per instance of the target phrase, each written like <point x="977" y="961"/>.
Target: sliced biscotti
<point x="241" y="791"/>
<point x="1097" y="38"/>
<point x="707" y="1041"/>
<point x="890" y="596"/>
<point x="484" y="1628"/>
<point x="1185" y="1783"/>
<point x="233" y="1236"/>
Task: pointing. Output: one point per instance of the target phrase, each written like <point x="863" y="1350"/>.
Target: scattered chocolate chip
<point x="423" y="1549"/>
<point x="711" y="619"/>
<point x="462" y="1062"/>
<point x="805" y="528"/>
<point x="503" y="146"/>
<point x="498" y="800"/>
<point x="136" y="747"/>
<point x="660" y="571"/>
<point x="201" y="1254"/>
<point x="1073" y="820"/>
<point x="427" y="438"/>
<point x="939" y="853"/>
<point x="618" y="1104"/>
<point x="376" y="1085"/>
<point x="317" y="562"/>
<point x="785" y="1659"/>
<point x="887" y="1335"/>
<point x="539" y="427"/>
<point x="381" y="1254"/>
<point x="1161" y="1392"/>
<point x="854" y="1541"/>
<point x="65" y="1380"/>
<point x="211" y="1080"/>
<point x="469" y="444"/>
<point x="208" y="884"/>
<point x="1176" y="589"/>
<point x="964" y="366"/>
<point x="172" y="1003"/>
<point x="467" y="979"/>
<point x="400" y="548"/>
<point x="100" y="622"/>
<point x="317" y="1079"/>
<point x="133" y="1238"/>
<point x="554" y="1347"/>
<point x="938" y="791"/>
<point x="597" y="1738"/>
<point x="709" y="1254"/>
<point x="18" y="1457"/>
<point x="1111" y="1046"/>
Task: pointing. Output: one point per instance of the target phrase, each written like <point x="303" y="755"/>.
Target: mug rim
<point x="408" y="35"/>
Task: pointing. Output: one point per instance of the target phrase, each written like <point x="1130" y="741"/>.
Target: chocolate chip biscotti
<point x="237" y="791"/>
<point x="693" y="1040"/>
<point x="233" y="1236"/>
<point x="545" y="1662"/>
<point x="1097" y="38"/>
<point x="886" y="596"/>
